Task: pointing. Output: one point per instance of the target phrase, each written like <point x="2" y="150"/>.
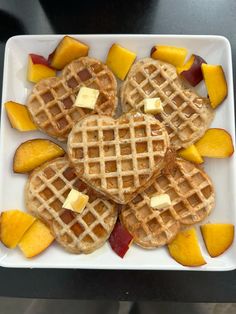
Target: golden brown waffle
<point x="118" y="157"/>
<point x="192" y="198"/>
<point x="51" y="101"/>
<point x="45" y="193"/>
<point x="186" y="115"/>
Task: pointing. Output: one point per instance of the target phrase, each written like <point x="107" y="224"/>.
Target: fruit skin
<point x="19" y="117"/>
<point x="169" y="54"/>
<point x="36" y="239"/>
<point x="217" y="237"/>
<point x="14" y="223"/>
<point x="215" y="143"/>
<point x="120" y="239"/>
<point x="191" y="71"/>
<point x="120" y="60"/>
<point x="66" y="51"/>
<point x="185" y="249"/>
<point x="215" y="83"/>
<point x="33" y="153"/>
<point x="191" y="153"/>
<point x="38" y="68"/>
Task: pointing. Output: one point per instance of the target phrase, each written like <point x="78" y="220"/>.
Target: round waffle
<point x="51" y="101"/>
<point x="192" y="198"/>
<point x="46" y="190"/>
<point x="118" y="157"/>
<point x="185" y="114"/>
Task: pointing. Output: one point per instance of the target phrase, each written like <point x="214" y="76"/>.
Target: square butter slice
<point x="86" y="98"/>
<point x="160" y="201"/>
<point x="76" y="201"/>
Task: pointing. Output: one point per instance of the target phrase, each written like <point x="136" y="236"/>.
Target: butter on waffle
<point x="51" y="101"/>
<point x="46" y="190"/>
<point x="192" y="199"/>
<point x="118" y="157"/>
<point x="185" y="114"/>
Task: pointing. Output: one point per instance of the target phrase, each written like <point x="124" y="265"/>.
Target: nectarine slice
<point x="120" y="60"/>
<point x="120" y="239"/>
<point x="215" y="143"/>
<point x="185" y="249"/>
<point x="169" y="54"/>
<point x="19" y="117"/>
<point x="66" y="51"/>
<point x="216" y="84"/>
<point x="36" y="239"/>
<point x="33" y="153"/>
<point x="217" y="237"/>
<point x="191" y="153"/>
<point x="14" y="224"/>
<point x="191" y="71"/>
<point x="38" y="68"/>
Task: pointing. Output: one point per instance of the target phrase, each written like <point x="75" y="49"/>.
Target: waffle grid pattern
<point x="46" y="192"/>
<point x="185" y="114"/>
<point x="52" y="99"/>
<point x="192" y="199"/>
<point x="121" y="155"/>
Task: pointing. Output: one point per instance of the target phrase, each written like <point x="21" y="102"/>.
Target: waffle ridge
<point x="185" y="114"/>
<point x="45" y="193"/>
<point x="117" y="157"/>
<point x="51" y="101"/>
<point x="192" y="199"/>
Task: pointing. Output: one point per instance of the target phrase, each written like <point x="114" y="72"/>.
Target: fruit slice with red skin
<point x="38" y="68"/>
<point x="191" y="71"/>
<point x="33" y="153"/>
<point x="120" y="239"/>
<point x="215" y="143"/>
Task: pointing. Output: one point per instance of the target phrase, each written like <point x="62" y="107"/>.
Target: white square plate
<point x="215" y="49"/>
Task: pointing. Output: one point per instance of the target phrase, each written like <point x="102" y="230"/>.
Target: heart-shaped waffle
<point x="51" y="101"/>
<point x="192" y="199"/>
<point x="118" y="157"/>
<point x="46" y="191"/>
<point x="185" y="114"/>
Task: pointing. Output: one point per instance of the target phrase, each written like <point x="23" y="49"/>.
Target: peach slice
<point x="120" y="239"/>
<point x="191" y="71"/>
<point x="120" y="60"/>
<point x="215" y="83"/>
<point x="19" y="117"/>
<point x="217" y="237"/>
<point x="169" y="54"/>
<point x="66" y="51"/>
<point x="36" y="239"/>
<point x="14" y="224"/>
<point x="33" y="153"/>
<point x="191" y="153"/>
<point x="215" y="143"/>
<point x="185" y="249"/>
<point x="38" y="68"/>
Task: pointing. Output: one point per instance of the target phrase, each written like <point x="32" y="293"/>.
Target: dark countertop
<point x="123" y="16"/>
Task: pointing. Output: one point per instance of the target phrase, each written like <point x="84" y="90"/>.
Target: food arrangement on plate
<point x="127" y="178"/>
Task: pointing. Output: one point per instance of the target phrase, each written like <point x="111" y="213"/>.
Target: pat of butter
<point x="160" y="201"/>
<point x="86" y="98"/>
<point x="76" y="201"/>
<point x="152" y="105"/>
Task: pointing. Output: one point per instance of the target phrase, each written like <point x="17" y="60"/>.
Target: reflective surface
<point x="140" y="16"/>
